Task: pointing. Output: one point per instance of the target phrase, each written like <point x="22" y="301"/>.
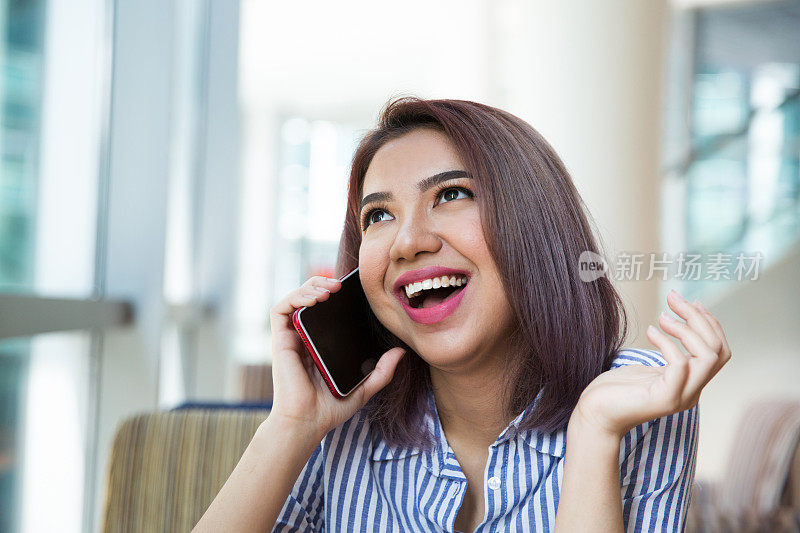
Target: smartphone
<point x="343" y="336"/>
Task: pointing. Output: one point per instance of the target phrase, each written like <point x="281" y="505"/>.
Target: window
<point x="739" y="173"/>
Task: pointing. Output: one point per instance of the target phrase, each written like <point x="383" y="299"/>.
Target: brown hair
<point x="536" y="226"/>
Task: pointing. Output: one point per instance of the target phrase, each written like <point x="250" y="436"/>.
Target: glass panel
<point x="717" y="199"/>
<point x="43" y="428"/>
<point x="743" y="182"/>
<point x="720" y="104"/>
<point x="311" y="199"/>
<point x="51" y="97"/>
<point x="13" y="379"/>
<point x="185" y="189"/>
<point x="21" y="58"/>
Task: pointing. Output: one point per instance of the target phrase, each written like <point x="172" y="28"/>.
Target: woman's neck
<point x="470" y="403"/>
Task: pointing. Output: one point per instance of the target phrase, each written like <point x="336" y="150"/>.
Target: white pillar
<point x="588" y="76"/>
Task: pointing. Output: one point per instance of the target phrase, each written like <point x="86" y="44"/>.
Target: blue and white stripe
<point x="354" y="482"/>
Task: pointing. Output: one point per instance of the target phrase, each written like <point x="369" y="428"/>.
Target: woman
<point x="517" y="410"/>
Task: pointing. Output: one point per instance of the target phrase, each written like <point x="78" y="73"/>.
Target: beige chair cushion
<point x="167" y="467"/>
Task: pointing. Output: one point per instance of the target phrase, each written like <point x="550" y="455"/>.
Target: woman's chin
<point x="444" y="355"/>
<point x="442" y="348"/>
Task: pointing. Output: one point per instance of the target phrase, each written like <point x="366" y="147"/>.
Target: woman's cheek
<point x="471" y="232"/>
<point x="370" y="271"/>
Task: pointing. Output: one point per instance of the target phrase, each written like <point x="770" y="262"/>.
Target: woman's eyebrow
<point x="422" y="186"/>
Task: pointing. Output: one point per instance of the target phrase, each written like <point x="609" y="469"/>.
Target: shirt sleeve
<point x="657" y="469"/>
<point x="303" y="510"/>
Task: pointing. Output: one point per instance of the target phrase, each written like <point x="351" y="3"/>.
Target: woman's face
<point x="439" y="226"/>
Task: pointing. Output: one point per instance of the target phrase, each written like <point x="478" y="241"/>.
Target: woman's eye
<point x="370" y="217"/>
<point x="451" y="193"/>
<point x="447" y="194"/>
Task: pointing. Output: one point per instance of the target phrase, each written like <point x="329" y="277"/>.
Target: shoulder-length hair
<point x="535" y="223"/>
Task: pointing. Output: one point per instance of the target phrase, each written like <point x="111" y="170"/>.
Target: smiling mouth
<point x="432" y="297"/>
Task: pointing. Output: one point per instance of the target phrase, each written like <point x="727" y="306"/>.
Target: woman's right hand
<point x="300" y="393"/>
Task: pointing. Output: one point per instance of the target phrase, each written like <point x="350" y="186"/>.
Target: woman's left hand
<point x="622" y="398"/>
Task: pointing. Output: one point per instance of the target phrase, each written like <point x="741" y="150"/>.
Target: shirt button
<point x="494" y="483"/>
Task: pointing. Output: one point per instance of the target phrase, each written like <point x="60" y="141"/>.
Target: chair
<point x="255" y="382"/>
<point x="760" y="490"/>
<point x="166" y="467"/>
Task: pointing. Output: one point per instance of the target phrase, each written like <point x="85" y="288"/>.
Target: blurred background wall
<point x="170" y="169"/>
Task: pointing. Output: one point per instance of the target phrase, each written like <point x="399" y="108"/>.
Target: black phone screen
<point x="346" y="334"/>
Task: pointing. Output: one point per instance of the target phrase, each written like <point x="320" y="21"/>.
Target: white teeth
<point x="434" y="283"/>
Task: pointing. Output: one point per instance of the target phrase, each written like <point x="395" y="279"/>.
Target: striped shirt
<point x="354" y="481"/>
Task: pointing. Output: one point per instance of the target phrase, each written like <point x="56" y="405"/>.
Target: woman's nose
<point x="414" y="235"/>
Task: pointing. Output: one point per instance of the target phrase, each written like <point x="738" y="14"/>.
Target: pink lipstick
<point x="437" y="313"/>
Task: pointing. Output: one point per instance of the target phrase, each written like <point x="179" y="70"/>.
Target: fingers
<point x="284" y="337"/>
<point x="382" y="374"/>
<point x="726" y="349"/>
<point x="307" y="294"/>
<point x="698" y="328"/>
<point x="702" y="336"/>
<point x="677" y="369"/>
<point x="696" y="320"/>
<point x="693" y="342"/>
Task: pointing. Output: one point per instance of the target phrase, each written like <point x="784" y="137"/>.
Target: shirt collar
<point x="442" y="462"/>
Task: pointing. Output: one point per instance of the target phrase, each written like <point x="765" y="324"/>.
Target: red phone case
<point x="313" y="353"/>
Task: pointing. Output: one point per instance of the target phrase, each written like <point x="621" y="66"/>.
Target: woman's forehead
<point x="409" y="158"/>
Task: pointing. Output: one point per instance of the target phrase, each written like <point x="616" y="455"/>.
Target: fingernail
<point x="678" y="295"/>
<point x="651" y="329"/>
<point x="321" y="289"/>
<point x="667" y="317"/>
<point x="701" y="306"/>
<point x="334" y="279"/>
